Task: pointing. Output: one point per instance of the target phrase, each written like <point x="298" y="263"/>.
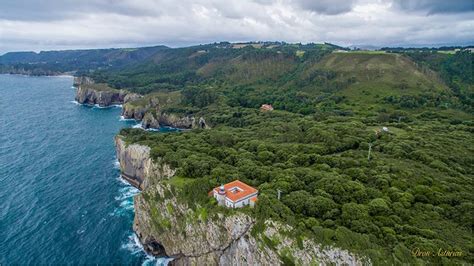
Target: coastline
<point x="62" y="75"/>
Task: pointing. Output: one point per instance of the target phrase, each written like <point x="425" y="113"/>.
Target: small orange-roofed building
<point x="235" y="194"/>
<point x="266" y="107"/>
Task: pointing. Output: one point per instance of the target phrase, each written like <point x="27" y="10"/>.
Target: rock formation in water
<point x="88" y="92"/>
<point x="89" y="95"/>
<point x="167" y="226"/>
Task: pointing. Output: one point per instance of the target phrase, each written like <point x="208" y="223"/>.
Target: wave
<point x="123" y="181"/>
<point x="127" y="193"/>
<point x="116" y="164"/>
<point x="106" y="107"/>
<point x="125" y="199"/>
<point x="135" y="247"/>
<point x="122" y="118"/>
<point x="161" y="129"/>
<point x="96" y="106"/>
<point x="139" y="125"/>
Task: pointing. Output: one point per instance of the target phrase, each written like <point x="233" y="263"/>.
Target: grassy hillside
<point x="374" y="78"/>
<point x="297" y="78"/>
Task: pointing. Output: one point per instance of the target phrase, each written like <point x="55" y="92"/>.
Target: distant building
<point x="266" y="107"/>
<point x="378" y="132"/>
<point x="235" y="194"/>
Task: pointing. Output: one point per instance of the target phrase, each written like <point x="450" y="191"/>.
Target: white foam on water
<point x="123" y="181"/>
<point x="125" y="198"/>
<point x="139" y="125"/>
<point x="127" y="193"/>
<point x="135" y="247"/>
<point x="100" y="107"/>
<point x="122" y="118"/>
<point x="75" y="102"/>
<point x="106" y="107"/>
<point x="116" y="164"/>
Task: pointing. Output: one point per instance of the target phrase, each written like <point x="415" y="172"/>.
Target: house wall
<point x="245" y="201"/>
<point x="239" y="204"/>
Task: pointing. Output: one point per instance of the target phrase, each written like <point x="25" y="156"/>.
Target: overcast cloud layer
<point x="70" y="24"/>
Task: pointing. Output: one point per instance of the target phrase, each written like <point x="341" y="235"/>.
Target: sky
<point x="35" y="25"/>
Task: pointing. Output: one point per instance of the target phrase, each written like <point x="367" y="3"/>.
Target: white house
<point x="235" y="194"/>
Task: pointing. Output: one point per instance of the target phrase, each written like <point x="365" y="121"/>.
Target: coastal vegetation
<point x="413" y="191"/>
<point x="344" y="179"/>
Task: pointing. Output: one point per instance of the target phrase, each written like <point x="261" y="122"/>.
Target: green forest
<point x="414" y="189"/>
<point x="344" y="180"/>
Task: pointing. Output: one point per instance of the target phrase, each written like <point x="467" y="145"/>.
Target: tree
<point x="199" y="97"/>
<point x="378" y="207"/>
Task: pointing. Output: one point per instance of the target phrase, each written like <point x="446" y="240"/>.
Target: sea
<point x="62" y="199"/>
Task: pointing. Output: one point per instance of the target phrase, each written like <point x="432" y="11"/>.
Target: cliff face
<point x="157" y="119"/>
<point x="131" y="111"/>
<point x="88" y="92"/>
<point x="83" y="80"/>
<point x="136" y="165"/>
<point x="167" y="226"/>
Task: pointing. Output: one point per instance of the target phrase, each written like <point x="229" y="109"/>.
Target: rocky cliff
<point x="88" y="92"/>
<point x="90" y="95"/>
<point x="137" y="167"/>
<point x="149" y="110"/>
<point x="156" y="119"/>
<point x="82" y="80"/>
<point x="167" y="226"/>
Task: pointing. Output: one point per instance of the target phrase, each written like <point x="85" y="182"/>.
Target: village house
<point x="266" y="107"/>
<point x="235" y="194"/>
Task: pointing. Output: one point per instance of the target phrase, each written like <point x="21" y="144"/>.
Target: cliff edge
<point x="168" y="225"/>
<point x="89" y="92"/>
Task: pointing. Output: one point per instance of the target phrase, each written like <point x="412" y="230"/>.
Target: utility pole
<point x="279" y="194"/>
<point x="370" y="149"/>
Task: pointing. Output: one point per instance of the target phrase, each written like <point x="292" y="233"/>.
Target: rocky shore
<point x="134" y="107"/>
<point x="90" y="95"/>
<point x="167" y="226"/>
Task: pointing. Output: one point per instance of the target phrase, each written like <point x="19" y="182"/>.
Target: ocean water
<point x="61" y="196"/>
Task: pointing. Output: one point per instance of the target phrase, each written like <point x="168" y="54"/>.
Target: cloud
<point x="47" y="10"/>
<point x="330" y="7"/>
<point x="435" y="6"/>
<point x="69" y="24"/>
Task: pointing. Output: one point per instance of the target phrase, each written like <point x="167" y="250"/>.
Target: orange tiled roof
<point x="266" y="107"/>
<point x="236" y="196"/>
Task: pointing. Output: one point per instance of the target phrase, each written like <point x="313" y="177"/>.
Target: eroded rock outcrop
<point x="88" y="92"/>
<point x="167" y="226"/>
<point x="90" y="95"/>
<point x="136" y="165"/>
<point x="82" y="80"/>
<point x="158" y="119"/>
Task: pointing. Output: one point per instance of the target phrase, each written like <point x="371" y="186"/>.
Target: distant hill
<point x="250" y="73"/>
<point x="75" y="60"/>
